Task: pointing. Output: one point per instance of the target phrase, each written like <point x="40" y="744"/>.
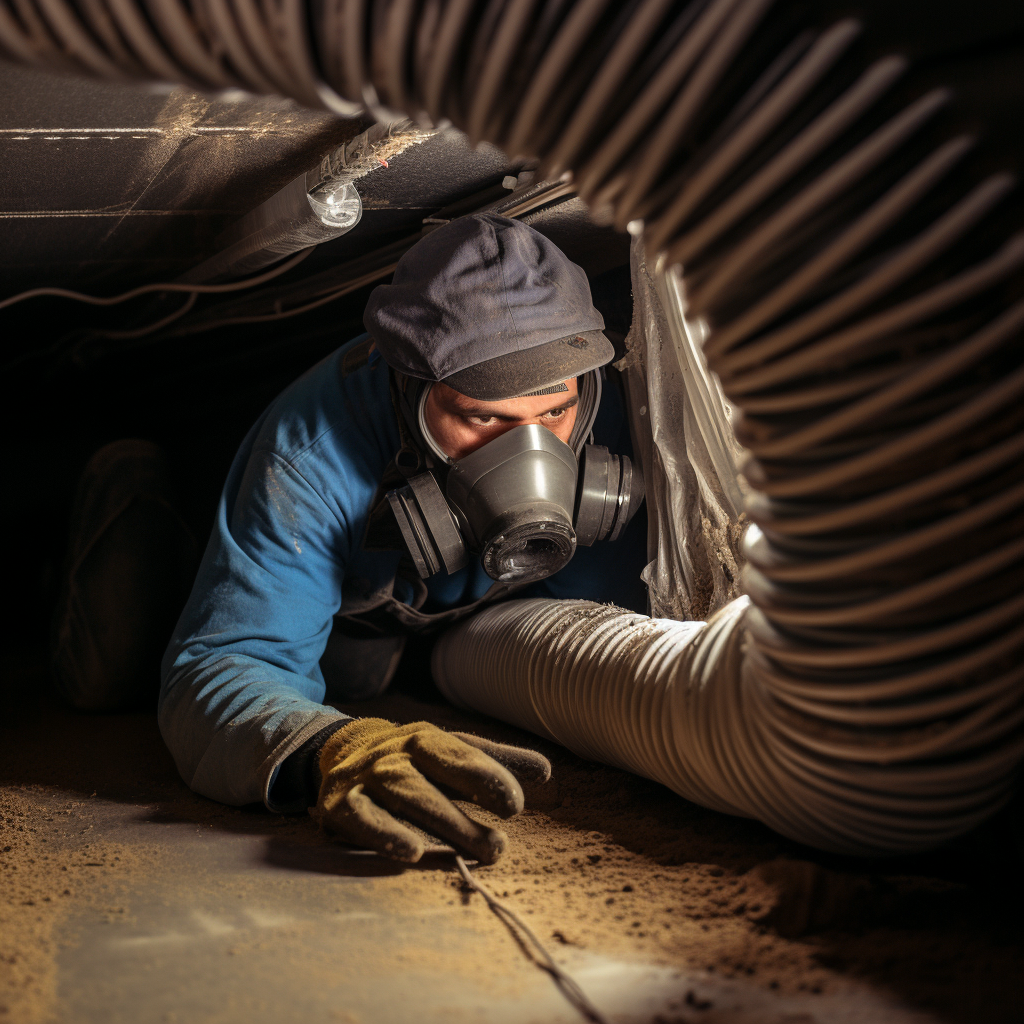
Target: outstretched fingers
<point x="450" y="761"/>
<point x="354" y="818"/>
<point x="397" y="785"/>
<point x="525" y="764"/>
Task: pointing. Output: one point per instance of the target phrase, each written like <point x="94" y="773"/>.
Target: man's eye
<point x="482" y="421"/>
<point x="555" y="414"/>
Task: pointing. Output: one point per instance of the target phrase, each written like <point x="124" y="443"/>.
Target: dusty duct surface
<point x="104" y="187"/>
<point x="682" y="431"/>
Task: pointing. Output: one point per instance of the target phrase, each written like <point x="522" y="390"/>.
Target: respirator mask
<point x="523" y="502"/>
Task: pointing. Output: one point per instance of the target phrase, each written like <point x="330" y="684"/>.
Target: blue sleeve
<point x="241" y="684"/>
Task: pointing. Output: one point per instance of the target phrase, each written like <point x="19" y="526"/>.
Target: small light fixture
<point x="336" y="203"/>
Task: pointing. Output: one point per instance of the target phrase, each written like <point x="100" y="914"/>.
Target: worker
<point x="428" y="468"/>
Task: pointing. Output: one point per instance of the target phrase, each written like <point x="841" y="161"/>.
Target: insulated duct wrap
<point x="317" y="206"/>
<point x="684" y="440"/>
<point x="842" y="226"/>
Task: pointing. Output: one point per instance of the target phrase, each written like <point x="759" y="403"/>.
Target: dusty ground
<point x="124" y="896"/>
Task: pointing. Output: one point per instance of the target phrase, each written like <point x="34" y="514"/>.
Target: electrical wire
<point x="148" y="289"/>
<point x="533" y="947"/>
<point x="256" y="318"/>
<point x="79" y="341"/>
<point x="141" y="332"/>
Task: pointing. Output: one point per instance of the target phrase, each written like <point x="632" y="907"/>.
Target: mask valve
<point x="529" y="545"/>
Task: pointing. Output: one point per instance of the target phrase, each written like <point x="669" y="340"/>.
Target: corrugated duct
<point x="849" y="228"/>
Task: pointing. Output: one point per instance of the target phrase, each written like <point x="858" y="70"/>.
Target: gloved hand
<point x="371" y="767"/>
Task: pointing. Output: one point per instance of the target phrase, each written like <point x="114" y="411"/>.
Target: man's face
<point x="460" y="425"/>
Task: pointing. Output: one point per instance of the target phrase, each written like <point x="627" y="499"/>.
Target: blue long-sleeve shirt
<point x="241" y="682"/>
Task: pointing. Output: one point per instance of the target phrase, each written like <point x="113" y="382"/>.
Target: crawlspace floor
<point x="126" y="898"/>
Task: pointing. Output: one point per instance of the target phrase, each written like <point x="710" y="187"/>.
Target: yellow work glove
<point x="372" y="769"/>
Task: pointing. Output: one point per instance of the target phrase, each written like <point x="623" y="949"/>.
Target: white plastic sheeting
<point x="687" y="451"/>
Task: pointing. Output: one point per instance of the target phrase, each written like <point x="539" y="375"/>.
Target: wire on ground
<point x="533" y="947"/>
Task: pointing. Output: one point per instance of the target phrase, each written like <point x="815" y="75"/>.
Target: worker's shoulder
<point x="356" y="355"/>
<point x="339" y="407"/>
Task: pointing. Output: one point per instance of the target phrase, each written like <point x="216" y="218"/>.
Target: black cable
<point x="283" y="314"/>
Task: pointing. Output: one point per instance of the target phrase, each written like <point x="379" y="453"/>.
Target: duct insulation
<point x="690" y="705"/>
<point x="315" y="207"/>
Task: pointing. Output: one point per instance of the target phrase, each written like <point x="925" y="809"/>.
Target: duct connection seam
<point x="848" y="224"/>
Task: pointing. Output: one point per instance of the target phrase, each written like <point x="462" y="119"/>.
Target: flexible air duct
<point x="685" y="704"/>
<point x="848" y="224"/>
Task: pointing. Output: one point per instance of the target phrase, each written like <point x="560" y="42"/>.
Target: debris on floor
<point x="126" y="897"/>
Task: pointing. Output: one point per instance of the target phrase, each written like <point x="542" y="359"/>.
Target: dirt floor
<point x="124" y="897"/>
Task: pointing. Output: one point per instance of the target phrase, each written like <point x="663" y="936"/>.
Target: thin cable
<point x="141" y="332"/>
<point x="76" y="342"/>
<point x="283" y="314"/>
<point x="68" y="341"/>
<point x="539" y="955"/>
<point x="146" y="289"/>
